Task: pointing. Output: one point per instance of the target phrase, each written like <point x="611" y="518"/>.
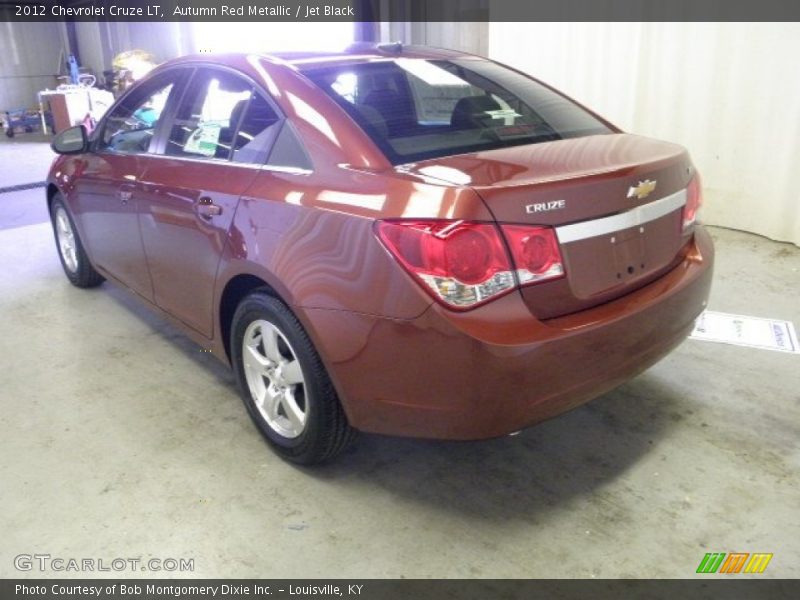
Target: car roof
<point x="364" y="52"/>
<point x="354" y="53"/>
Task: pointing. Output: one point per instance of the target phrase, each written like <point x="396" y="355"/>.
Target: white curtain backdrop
<point x="729" y="92"/>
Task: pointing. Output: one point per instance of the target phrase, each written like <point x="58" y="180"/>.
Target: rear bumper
<point x="495" y="370"/>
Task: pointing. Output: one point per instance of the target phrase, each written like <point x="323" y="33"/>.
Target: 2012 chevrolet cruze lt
<point x="391" y="239"/>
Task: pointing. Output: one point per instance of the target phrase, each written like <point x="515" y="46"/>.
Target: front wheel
<point x="284" y="384"/>
<point x="73" y="257"/>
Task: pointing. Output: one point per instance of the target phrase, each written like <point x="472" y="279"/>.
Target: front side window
<point x="416" y="109"/>
<point x="131" y="125"/>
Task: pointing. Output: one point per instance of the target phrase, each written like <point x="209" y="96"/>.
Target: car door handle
<point x="206" y="208"/>
<point x="125" y="192"/>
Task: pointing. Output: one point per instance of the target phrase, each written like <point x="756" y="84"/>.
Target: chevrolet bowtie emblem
<point x="643" y="190"/>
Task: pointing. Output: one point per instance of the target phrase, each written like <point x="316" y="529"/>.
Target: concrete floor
<point x="120" y="438"/>
<point x="25" y="158"/>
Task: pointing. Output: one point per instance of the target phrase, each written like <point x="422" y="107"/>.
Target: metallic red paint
<point x="401" y="363"/>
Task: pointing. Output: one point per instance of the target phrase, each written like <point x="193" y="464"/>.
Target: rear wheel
<point x="73" y="257"/>
<point x="284" y="384"/>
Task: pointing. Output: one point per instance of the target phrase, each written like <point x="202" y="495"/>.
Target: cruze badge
<point x="643" y="190"/>
<point x="545" y="206"/>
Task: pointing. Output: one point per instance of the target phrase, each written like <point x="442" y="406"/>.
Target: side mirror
<point x="71" y="141"/>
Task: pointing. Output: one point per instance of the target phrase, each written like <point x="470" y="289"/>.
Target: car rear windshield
<point x="417" y="109"/>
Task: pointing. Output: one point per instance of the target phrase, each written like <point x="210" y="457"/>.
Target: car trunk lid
<point x="615" y="202"/>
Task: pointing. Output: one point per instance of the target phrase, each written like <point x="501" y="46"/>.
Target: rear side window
<point x="222" y="117"/>
<point x="208" y="116"/>
<point x="415" y="109"/>
<point x="289" y="151"/>
<point x="256" y="131"/>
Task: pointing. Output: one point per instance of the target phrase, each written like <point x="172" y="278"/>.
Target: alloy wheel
<point x="275" y="378"/>
<point x="66" y="240"/>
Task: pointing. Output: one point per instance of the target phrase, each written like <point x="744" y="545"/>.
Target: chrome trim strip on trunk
<point x="636" y="216"/>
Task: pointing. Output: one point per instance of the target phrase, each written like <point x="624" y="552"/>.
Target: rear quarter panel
<point x="311" y="237"/>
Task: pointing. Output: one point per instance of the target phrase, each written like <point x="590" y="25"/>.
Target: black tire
<point x="326" y="430"/>
<point x="10" y="132"/>
<point x="84" y="274"/>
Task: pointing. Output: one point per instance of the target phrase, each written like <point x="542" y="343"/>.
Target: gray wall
<point x="29" y="59"/>
<point x="29" y="52"/>
<point x="99" y="43"/>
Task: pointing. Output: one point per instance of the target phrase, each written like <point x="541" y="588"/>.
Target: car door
<point x="210" y="152"/>
<point x="107" y="192"/>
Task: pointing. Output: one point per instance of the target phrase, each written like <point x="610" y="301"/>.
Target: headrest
<point x="470" y="112"/>
<point x="374" y="118"/>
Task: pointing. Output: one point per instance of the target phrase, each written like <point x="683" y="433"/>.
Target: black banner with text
<point x="387" y="589"/>
<point x="400" y="10"/>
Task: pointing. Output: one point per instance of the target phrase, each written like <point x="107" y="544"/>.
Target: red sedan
<point x="390" y="239"/>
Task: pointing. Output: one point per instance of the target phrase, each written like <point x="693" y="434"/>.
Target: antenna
<point x="396" y="47"/>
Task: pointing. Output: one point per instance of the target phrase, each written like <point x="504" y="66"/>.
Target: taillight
<point x="694" y="200"/>
<point x="535" y="253"/>
<point x="462" y="264"/>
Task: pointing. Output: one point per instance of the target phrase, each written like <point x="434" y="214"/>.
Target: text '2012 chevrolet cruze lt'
<point x="392" y="239"/>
